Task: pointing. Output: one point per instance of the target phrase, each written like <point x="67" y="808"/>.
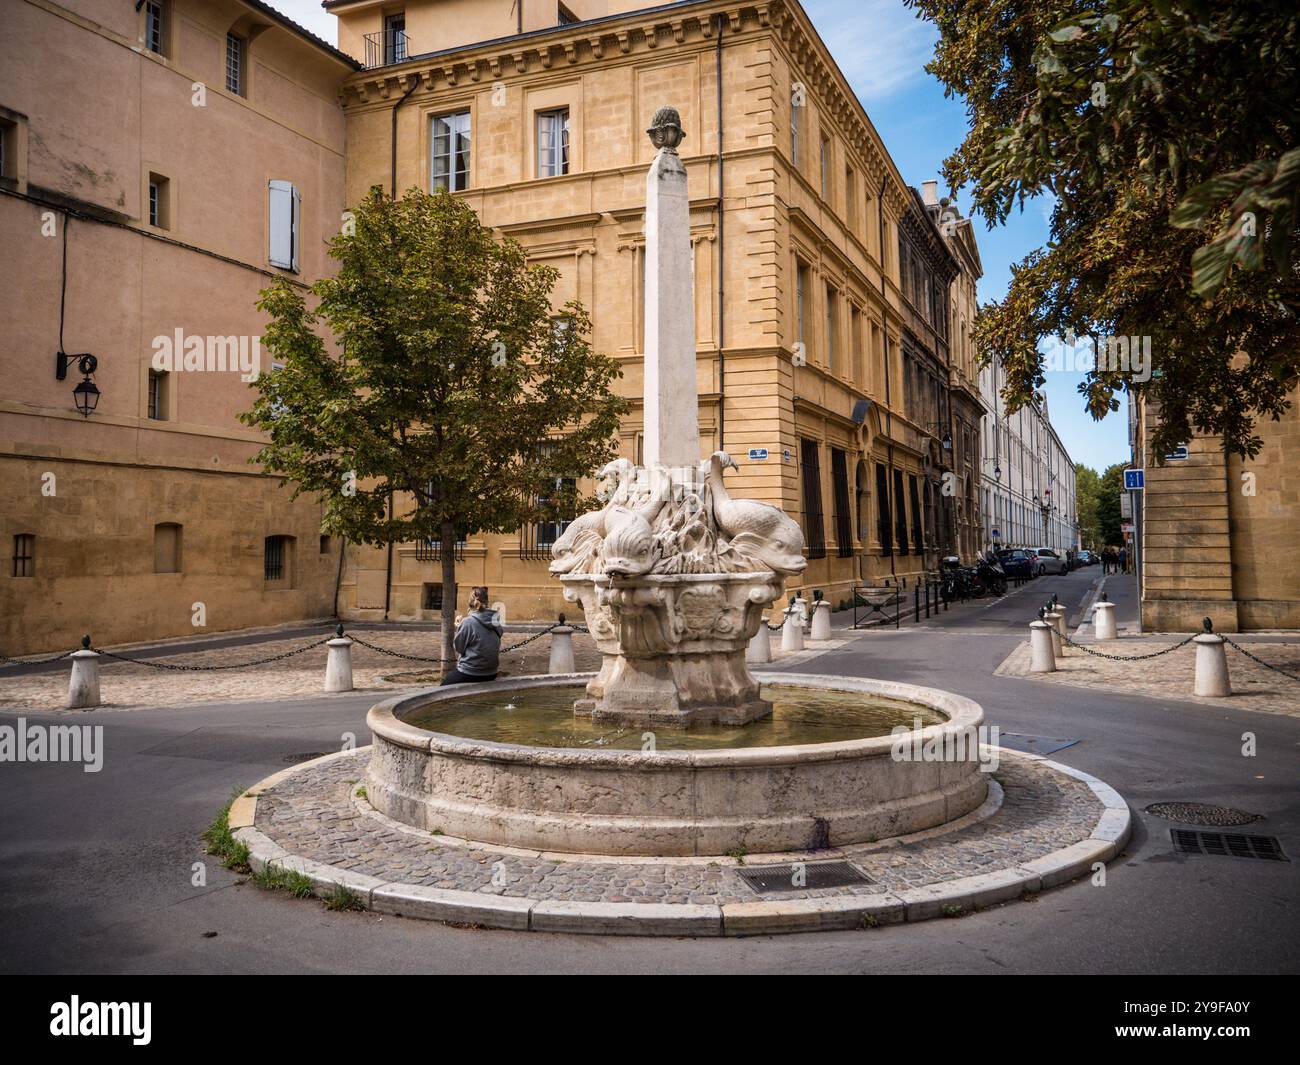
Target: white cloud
<point x="880" y="45"/>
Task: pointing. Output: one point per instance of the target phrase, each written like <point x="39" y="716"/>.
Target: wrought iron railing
<point x="387" y="47"/>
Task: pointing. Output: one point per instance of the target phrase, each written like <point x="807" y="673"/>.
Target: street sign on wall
<point x="757" y="454"/>
<point x="1135" y="480"/>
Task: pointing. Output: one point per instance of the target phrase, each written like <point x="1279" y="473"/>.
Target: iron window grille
<point x="918" y="539"/>
<point x="884" y="523"/>
<point x="273" y="567"/>
<point x="843" y="520"/>
<point x="24" y="555"/>
<point x="814" y="530"/>
<point x="900" y="513"/>
<point x="430" y="550"/>
<point x="235" y="64"/>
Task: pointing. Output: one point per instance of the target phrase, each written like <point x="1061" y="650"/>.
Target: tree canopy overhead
<point x="457" y="402"/>
<point x="1166" y="132"/>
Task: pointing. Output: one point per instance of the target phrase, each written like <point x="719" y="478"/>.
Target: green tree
<point x="1166" y="133"/>
<point x="1108" y="505"/>
<point x="1087" y="497"/>
<point x="453" y="400"/>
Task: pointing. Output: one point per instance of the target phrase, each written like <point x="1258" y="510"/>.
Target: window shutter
<point x="297" y="220"/>
<point x="282" y="250"/>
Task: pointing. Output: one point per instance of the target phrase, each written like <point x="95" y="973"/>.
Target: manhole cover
<point x="306" y="757"/>
<point x="802" y="876"/>
<point x="1227" y="845"/>
<point x="1201" y="813"/>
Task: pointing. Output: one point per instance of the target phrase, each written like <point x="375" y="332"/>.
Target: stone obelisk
<point x="672" y="431"/>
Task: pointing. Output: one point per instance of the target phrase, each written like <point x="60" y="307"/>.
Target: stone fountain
<point x="673" y="574"/>
<point x="675" y="577"/>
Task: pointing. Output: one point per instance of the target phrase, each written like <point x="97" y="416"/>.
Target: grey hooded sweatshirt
<point x="478" y="643"/>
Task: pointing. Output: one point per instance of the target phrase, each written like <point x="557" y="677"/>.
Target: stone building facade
<point x="801" y="312"/>
<point x="149" y="192"/>
<point x="1216" y="533"/>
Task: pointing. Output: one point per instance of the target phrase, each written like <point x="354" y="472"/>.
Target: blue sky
<point x="882" y="48"/>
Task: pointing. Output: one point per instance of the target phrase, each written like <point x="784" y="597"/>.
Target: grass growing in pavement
<point x="342" y="898"/>
<point x="275" y="877"/>
<point x="221" y="841"/>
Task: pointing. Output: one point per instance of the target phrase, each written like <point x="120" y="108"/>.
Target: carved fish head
<point x="629" y="551"/>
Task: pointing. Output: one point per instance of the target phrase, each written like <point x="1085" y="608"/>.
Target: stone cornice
<point x="574" y="46"/>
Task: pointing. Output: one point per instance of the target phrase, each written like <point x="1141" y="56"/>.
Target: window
<point x="24" y="555"/>
<point x="277" y="560"/>
<point x="826" y="168"/>
<point x="918" y="540"/>
<point x="553" y="142"/>
<point x="395" y="38"/>
<point x="167" y="547"/>
<point x="153" y="26"/>
<point x="235" y="64"/>
<point x="831" y="327"/>
<point x="324" y="544"/>
<point x="855" y="343"/>
<point x="794" y="130"/>
<point x="566" y="17"/>
<point x="851" y="199"/>
<point x="810" y="467"/>
<point x="432" y="597"/>
<point x="900" y="513"/>
<point x="158" y="395"/>
<point x="13" y="148"/>
<point x="801" y="303"/>
<point x="285" y="207"/>
<point x="558" y="514"/>
<point x="840" y="487"/>
<point x="883" y="523"/>
<point x="451" y="142"/>
<point x="159" y="201"/>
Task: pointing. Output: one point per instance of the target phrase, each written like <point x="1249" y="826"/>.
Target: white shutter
<point x="297" y="218"/>
<point x="282" y="249"/>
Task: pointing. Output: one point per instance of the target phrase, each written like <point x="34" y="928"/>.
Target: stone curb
<point x="760" y="917"/>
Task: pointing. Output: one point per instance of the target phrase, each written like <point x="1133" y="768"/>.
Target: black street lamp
<point x="86" y="394"/>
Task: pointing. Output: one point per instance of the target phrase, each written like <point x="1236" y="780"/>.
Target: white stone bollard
<point x="821" y="621"/>
<point x="801" y="605"/>
<point x="338" y="666"/>
<point x="561" y="660"/>
<point x="1211" y="666"/>
<point x="1042" y="656"/>
<point x="1103" y="621"/>
<point x="760" y="647"/>
<point x="792" y="630"/>
<point x="1056" y="622"/>
<point x="83" y="685"/>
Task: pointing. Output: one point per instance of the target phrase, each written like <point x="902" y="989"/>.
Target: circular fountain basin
<point x="823" y="771"/>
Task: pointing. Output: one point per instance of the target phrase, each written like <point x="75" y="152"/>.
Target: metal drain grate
<point x="802" y="876"/>
<point x="1227" y="845"/>
<point x="1201" y="813"/>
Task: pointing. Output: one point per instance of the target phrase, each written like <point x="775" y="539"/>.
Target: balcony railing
<point x="387" y="47"/>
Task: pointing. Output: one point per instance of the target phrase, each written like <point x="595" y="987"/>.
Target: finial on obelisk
<point x="666" y="129"/>
<point x="672" y="431"/>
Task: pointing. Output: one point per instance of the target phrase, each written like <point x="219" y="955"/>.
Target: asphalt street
<point x="96" y="869"/>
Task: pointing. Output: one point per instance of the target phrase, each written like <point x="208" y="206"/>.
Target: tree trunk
<point x="448" y="596"/>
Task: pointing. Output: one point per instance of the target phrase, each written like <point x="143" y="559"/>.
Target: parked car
<point x="1087" y="558"/>
<point x="1048" y="561"/>
<point x="1016" y="563"/>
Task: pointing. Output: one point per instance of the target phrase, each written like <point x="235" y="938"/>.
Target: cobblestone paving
<point x="311" y="814"/>
<point x="1170" y="676"/>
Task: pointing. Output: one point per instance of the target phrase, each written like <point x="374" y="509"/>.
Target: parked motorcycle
<point x="990" y="574"/>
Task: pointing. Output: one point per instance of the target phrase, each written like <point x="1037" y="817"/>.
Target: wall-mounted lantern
<point x="86" y="394"/>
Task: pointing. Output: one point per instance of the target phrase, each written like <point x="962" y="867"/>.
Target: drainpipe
<point x="722" y="247"/>
<point x="889" y="416"/>
<point x="392" y="166"/>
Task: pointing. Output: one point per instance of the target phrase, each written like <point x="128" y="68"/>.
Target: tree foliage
<point x="1087" y="498"/>
<point x="453" y="400"/>
<point x="1166" y="133"/>
<point x="1109" y="515"/>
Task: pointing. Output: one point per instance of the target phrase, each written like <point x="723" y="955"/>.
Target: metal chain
<point x="208" y="669"/>
<point x="422" y="658"/>
<point x="1128" y="658"/>
<point x="33" y="661"/>
<point x="1254" y="658"/>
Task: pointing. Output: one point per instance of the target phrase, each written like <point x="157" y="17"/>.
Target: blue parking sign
<point x="1135" y="479"/>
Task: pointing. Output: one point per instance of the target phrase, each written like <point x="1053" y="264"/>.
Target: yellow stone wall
<point x="751" y="219"/>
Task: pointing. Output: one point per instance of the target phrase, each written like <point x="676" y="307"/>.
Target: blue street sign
<point x="757" y="454"/>
<point x="1135" y="479"/>
<point x="1180" y="452"/>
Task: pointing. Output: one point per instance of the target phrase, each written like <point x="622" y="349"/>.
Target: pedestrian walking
<point x="1123" y="560"/>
